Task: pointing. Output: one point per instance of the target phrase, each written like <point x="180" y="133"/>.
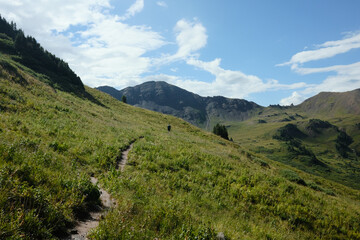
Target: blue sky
<point x="269" y="52"/>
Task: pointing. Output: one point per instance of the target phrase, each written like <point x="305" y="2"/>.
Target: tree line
<point x="34" y="56"/>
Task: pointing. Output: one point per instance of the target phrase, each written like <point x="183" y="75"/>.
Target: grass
<point x="186" y="184"/>
<point x="258" y="137"/>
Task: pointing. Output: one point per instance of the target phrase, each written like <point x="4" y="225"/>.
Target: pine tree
<point x="20" y="40"/>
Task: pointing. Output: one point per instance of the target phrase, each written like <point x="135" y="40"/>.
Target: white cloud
<point x="106" y="52"/>
<point x="101" y="50"/>
<point x="190" y="37"/>
<point x="326" y="50"/>
<point x="52" y="15"/>
<point x="137" y="7"/>
<point x="295" y="99"/>
<point x="236" y="80"/>
<point x="161" y="3"/>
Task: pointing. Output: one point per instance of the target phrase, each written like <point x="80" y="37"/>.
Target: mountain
<point x="333" y="103"/>
<point x="169" y="99"/>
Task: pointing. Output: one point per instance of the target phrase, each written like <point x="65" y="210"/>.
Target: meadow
<point x="186" y="184"/>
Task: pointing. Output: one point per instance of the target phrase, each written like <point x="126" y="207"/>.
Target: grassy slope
<point x="259" y="138"/>
<point x="177" y="185"/>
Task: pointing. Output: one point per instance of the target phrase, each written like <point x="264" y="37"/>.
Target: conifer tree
<point x="123" y="99"/>
<point x="221" y="131"/>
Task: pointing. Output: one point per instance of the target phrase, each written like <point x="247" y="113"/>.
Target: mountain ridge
<point x="205" y="112"/>
<point x="169" y="99"/>
<point x="333" y="102"/>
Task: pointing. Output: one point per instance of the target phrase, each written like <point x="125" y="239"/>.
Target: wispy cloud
<point x="326" y="50"/>
<point x="343" y="78"/>
<point x="227" y="83"/>
<point x="161" y="3"/>
<point x="232" y="83"/>
<point x="133" y="9"/>
<point x="347" y="77"/>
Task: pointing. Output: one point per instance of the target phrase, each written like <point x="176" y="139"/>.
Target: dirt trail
<point x="83" y="227"/>
<point x="124" y="157"/>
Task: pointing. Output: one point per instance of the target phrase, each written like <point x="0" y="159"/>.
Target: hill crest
<point x="333" y="103"/>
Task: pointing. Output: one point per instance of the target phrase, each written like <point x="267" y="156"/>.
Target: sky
<point x="270" y="52"/>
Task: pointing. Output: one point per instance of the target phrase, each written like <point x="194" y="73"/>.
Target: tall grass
<point x="186" y="184"/>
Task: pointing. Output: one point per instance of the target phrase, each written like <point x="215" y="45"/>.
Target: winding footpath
<point x="83" y="227"/>
<point x="124" y="157"/>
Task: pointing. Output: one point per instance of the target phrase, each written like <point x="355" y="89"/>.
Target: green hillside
<point x="314" y="148"/>
<point x="186" y="184"/>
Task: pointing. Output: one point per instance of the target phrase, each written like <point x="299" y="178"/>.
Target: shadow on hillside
<point x="88" y="96"/>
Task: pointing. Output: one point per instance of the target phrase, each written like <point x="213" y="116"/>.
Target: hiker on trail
<point x="169" y="128"/>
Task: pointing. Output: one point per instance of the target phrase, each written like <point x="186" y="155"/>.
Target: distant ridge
<point x="169" y="99"/>
<point x="333" y="103"/>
